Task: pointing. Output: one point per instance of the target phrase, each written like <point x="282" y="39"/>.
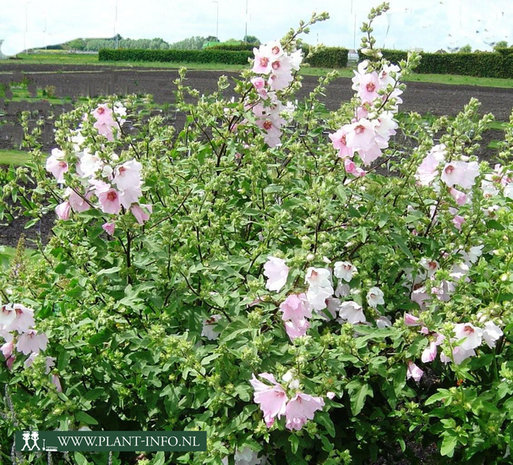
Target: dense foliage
<point x="254" y="275"/>
<point x="208" y="55"/>
<point x="497" y="64"/>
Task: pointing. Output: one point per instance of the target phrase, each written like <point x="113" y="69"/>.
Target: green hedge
<point x="329" y="57"/>
<point x="478" y="64"/>
<point x="234" y="47"/>
<point x="181" y="56"/>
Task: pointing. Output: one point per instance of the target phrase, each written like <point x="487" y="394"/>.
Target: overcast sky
<point x="422" y="24"/>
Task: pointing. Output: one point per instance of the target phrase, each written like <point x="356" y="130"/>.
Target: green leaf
<point x="85" y="418"/>
<point x="358" y="392"/>
<point x="401" y="244"/>
<point x="448" y="445"/>
<point x="294" y="443"/>
<point x="441" y="395"/>
<point x="80" y="459"/>
<point x="159" y="458"/>
<point x="324" y="419"/>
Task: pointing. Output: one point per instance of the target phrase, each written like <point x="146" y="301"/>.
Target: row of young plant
<point x="254" y="276"/>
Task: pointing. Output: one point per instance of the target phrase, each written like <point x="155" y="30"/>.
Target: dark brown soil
<point x="76" y="81"/>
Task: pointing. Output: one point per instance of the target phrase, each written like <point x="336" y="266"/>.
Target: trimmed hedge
<point x="478" y="64"/>
<point x="186" y="56"/>
<point x="234" y="47"/>
<point x="329" y="57"/>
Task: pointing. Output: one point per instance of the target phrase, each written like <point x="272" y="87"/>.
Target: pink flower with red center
<point x="339" y="141"/>
<point x="300" y="409"/>
<point x="368" y="87"/>
<point x="24" y="318"/>
<point x="469" y="335"/>
<point x="460" y="173"/>
<point x="105" y="122"/>
<point x="344" y="270"/>
<point x="272" y="398"/>
<point x="109" y="201"/>
<point x="56" y="164"/>
<point x="362" y="139"/>
<point x="128" y="175"/>
<point x="262" y="63"/>
<point x="31" y="342"/>
<point x="77" y="202"/>
<point x="276" y="272"/>
<point x="296" y="308"/>
<point x="7" y="316"/>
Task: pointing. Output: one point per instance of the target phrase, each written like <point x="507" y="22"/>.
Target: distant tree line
<point x="191" y="43"/>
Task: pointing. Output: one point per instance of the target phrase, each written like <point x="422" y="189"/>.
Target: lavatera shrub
<point x="308" y="287"/>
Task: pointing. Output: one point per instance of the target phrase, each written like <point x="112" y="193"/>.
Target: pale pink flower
<point x="56" y="382"/>
<point x="10" y="361"/>
<point x="109" y="228"/>
<point x="458" y="354"/>
<point x="362" y="138"/>
<point x="410" y="320"/>
<point x="296" y="329"/>
<point x="460" y="173"/>
<point x="78" y="203"/>
<point x="428" y="169"/>
<point x="31" y="341"/>
<point x="352" y="312"/>
<point x="320" y="277"/>
<point x="375" y="297"/>
<point x="444" y="291"/>
<point x="109" y="201"/>
<point x="458" y="221"/>
<point x="385" y="126"/>
<point x="383" y="322"/>
<point x="491" y="334"/>
<point x="281" y="76"/>
<point x="24" y="318"/>
<point x="469" y="334"/>
<point x="276" y="272"/>
<point x="63" y="210"/>
<point x="30" y="359"/>
<point x="472" y="256"/>
<point x="429" y="353"/>
<point x="342" y="290"/>
<point x="49" y="364"/>
<point x="128" y="175"/>
<point x="351" y="168"/>
<point x="330" y="395"/>
<point x="263" y="60"/>
<point x="272" y="399"/>
<point x="105" y="122"/>
<point x="56" y="165"/>
<point x="414" y="372"/>
<point x="7" y="316"/>
<point x="368" y="86"/>
<point x="300" y="409"/>
<point x="459" y="196"/>
<point x="339" y="141"/>
<point x="208" y="327"/>
<point x="89" y="164"/>
<point x="7" y="349"/>
<point x="141" y="215"/>
<point x="296" y="308"/>
<point x="344" y="270"/>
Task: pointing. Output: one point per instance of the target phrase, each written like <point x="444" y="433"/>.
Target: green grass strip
<point x="13" y="157"/>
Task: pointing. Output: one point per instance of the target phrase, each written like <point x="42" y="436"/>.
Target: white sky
<point x="423" y="24"/>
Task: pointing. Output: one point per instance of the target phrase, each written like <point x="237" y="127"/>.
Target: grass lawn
<point x="92" y="59"/>
<point x="13" y="157"/>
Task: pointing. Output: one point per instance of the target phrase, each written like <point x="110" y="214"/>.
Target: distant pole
<point x="217" y="19"/>
<point x="246" y="28"/>
<point x="116" y="24"/>
<point x="26" y="27"/>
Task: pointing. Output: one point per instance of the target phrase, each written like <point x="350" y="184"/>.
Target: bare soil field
<point x="68" y="81"/>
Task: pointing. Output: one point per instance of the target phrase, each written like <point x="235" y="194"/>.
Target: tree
<point x="500" y="44"/>
<point x="465" y="49"/>
<point x="251" y="40"/>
